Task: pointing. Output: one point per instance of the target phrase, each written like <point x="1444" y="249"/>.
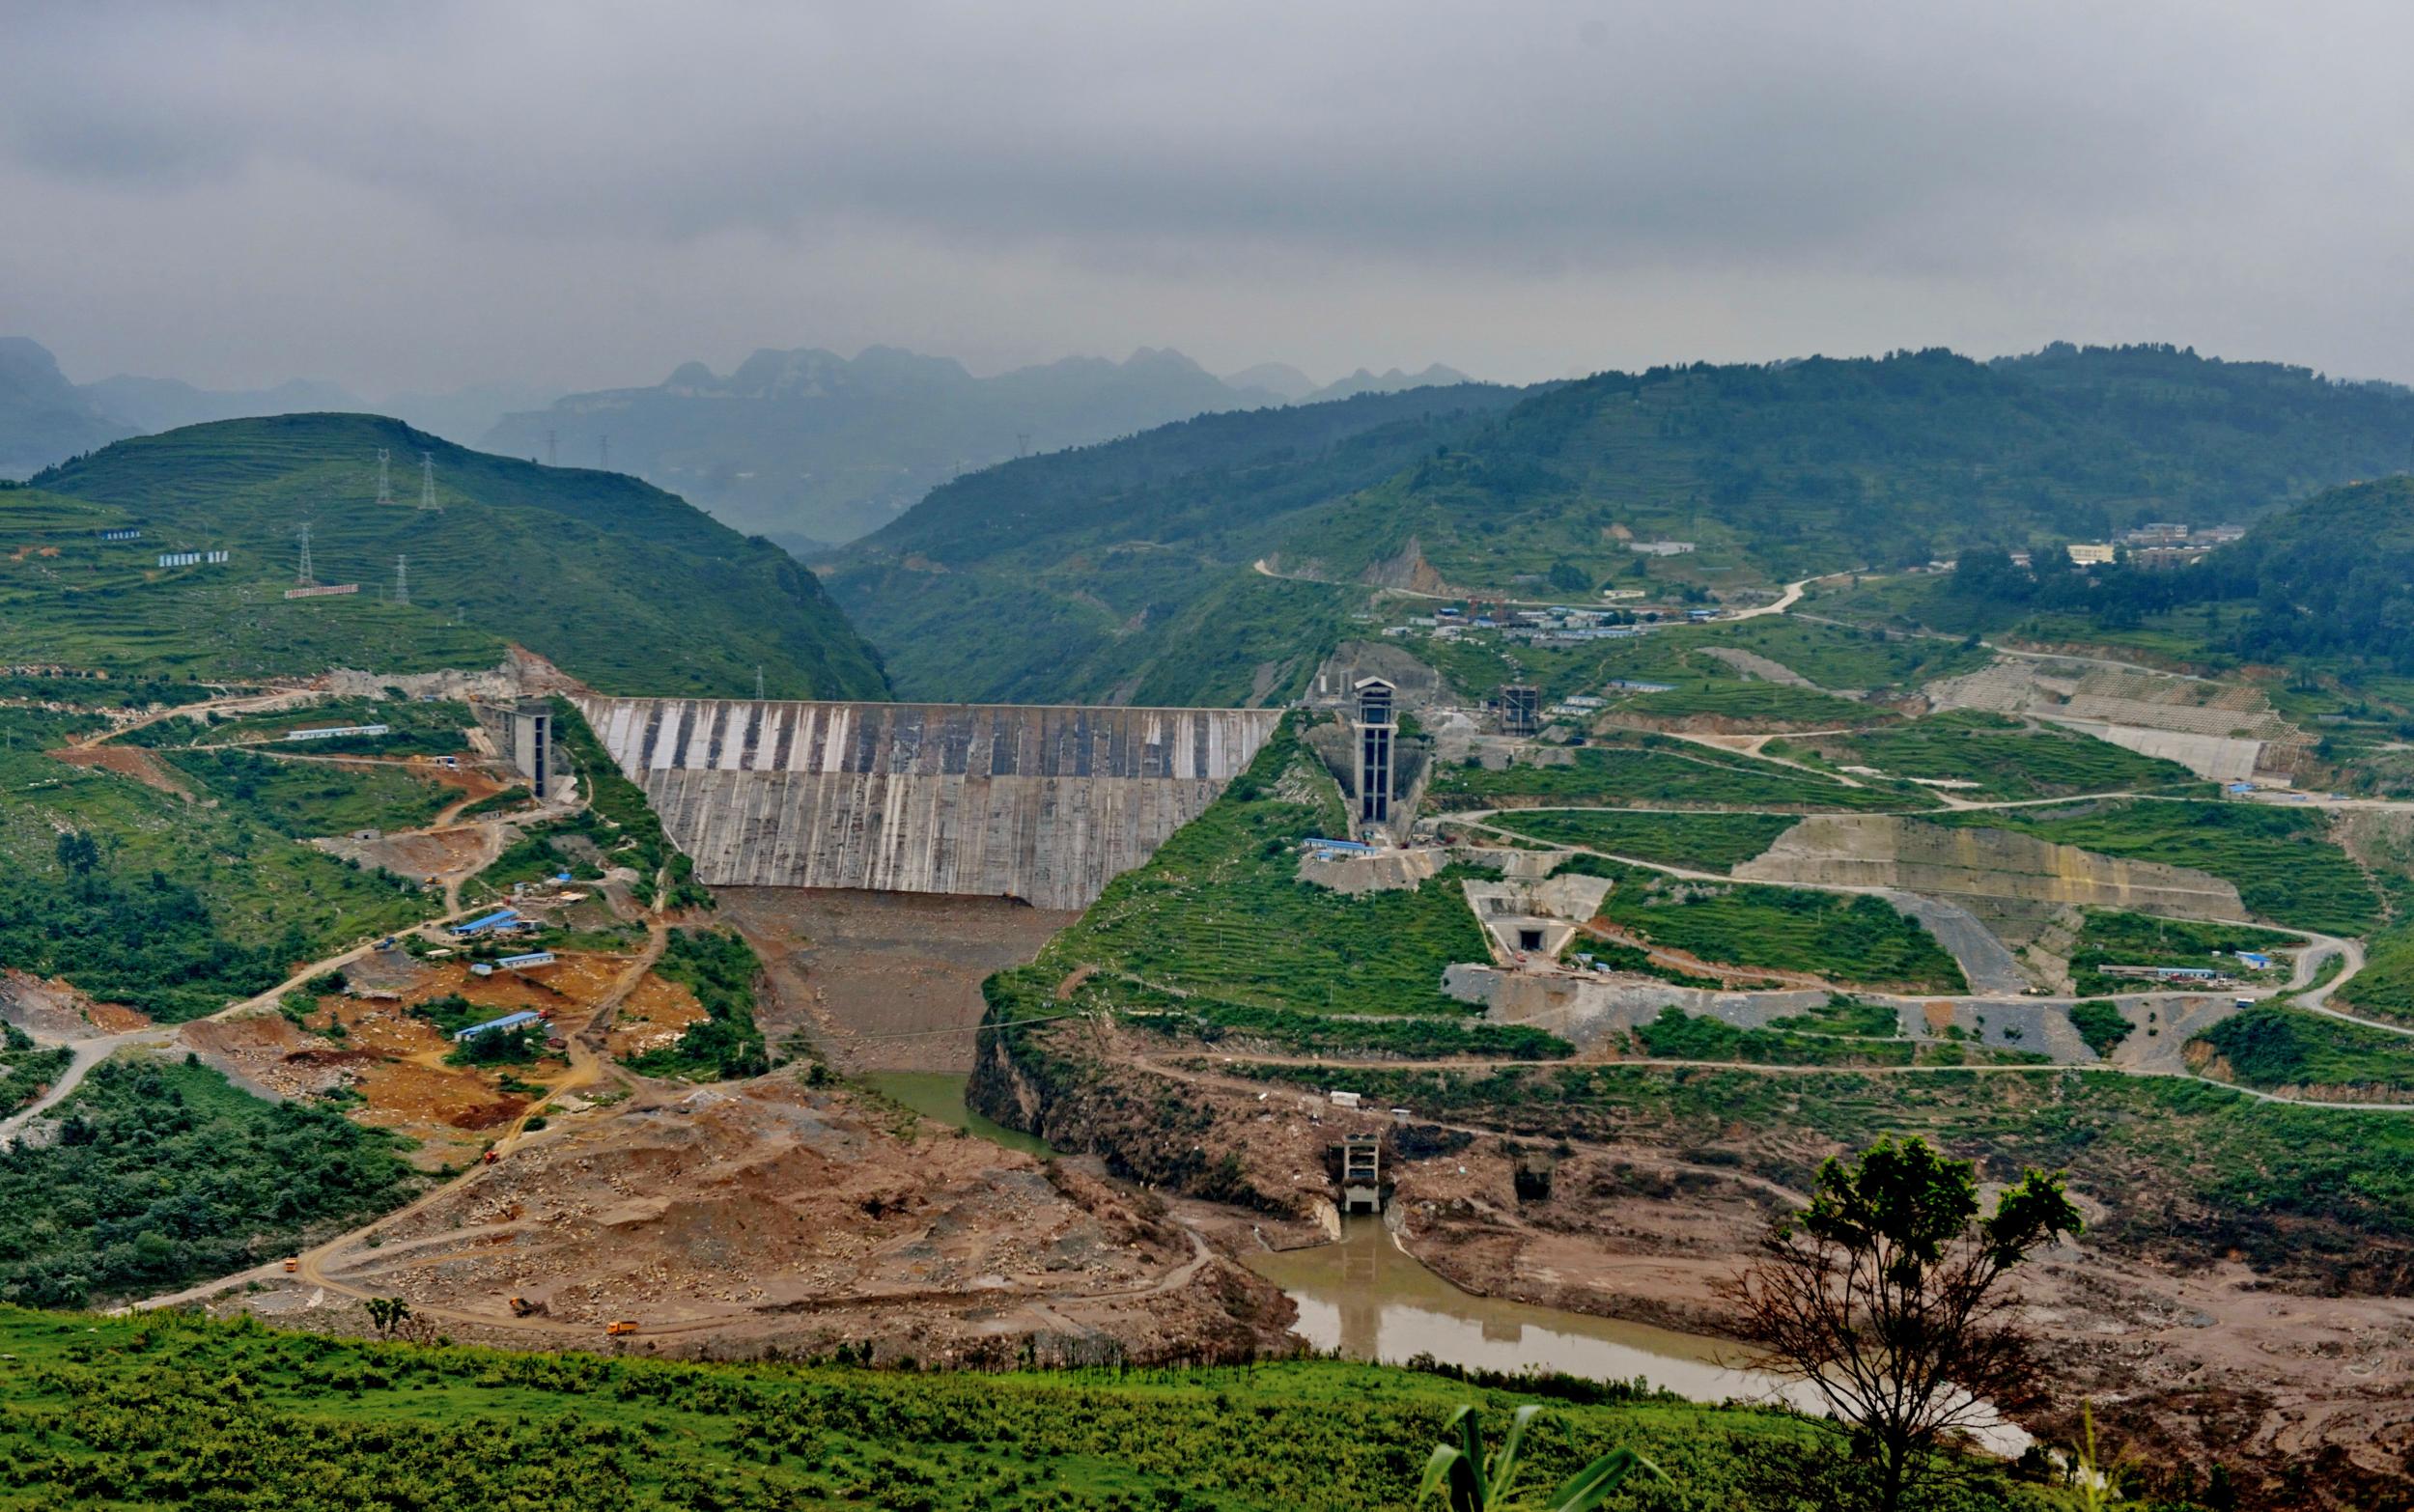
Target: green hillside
<point x="166" y="1410"/>
<point x="1123" y="570"/>
<point x="618" y="582"/>
<point x="1126" y="567"/>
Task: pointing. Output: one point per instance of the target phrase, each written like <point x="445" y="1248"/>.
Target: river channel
<point x="1367" y="1299"/>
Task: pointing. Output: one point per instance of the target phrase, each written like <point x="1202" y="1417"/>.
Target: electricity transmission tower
<point x="553" y="452"/>
<point x="402" y="579"/>
<point x="385" y="479"/>
<point x="604" y="449"/>
<point x="305" y="579"/>
<point x="758" y="681"/>
<point x="426" y="481"/>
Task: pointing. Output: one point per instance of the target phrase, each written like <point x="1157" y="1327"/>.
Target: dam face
<point x="1041" y="803"/>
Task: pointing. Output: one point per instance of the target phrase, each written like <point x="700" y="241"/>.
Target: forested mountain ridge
<point x="618" y="582"/>
<point x="1121" y="572"/>
<point x="1768" y="472"/>
<point x="809" y="444"/>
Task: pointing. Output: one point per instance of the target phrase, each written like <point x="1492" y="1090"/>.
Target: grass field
<point x="1833" y="657"/>
<point x="164" y="1409"/>
<point x="1677" y="1035"/>
<point x="2283" y="861"/>
<point x="303" y="798"/>
<point x="613" y="579"/>
<point x="1749" y="705"/>
<point x="413" y="728"/>
<point x="175" y="907"/>
<point x="2111" y="937"/>
<point x="1710" y="842"/>
<point x="1219" y="910"/>
<point x="2000" y="757"/>
<point x="2385" y="988"/>
<point x="1665" y="775"/>
<point x="2274" y="1047"/>
<point x="1853" y="938"/>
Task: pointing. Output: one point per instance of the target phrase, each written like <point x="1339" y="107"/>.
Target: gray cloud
<point x="587" y="193"/>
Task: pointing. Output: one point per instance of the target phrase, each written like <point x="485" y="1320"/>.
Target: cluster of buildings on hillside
<point x="1552" y="625"/>
<point x="2161" y="544"/>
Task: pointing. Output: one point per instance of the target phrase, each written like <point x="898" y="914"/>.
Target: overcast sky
<point x="588" y="193"/>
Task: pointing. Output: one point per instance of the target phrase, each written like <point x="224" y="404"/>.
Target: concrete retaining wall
<point x="1043" y="803"/>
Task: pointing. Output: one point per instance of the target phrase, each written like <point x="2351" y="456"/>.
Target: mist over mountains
<point x="45" y="419"/>
<point x="808" y="447"/>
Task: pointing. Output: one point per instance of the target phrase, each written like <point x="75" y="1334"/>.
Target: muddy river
<point x="1369" y="1300"/>
<point x="939" y="1096"/>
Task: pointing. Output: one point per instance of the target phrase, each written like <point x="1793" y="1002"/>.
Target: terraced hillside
<point x="616" y="581"/>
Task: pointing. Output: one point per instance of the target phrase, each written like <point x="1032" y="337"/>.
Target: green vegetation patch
<point x="2112" y="937"/>
<point x="611" y="797"/>
<point x="165" y="1410"/>
<point x="1852" y="938"/>
<point x="1704" y="842"/>
<point x="612" y="578"/>
<point x="142" y="897"/>
<point x="2102" y="1024"/>
<point x="162" y="1175"/>
<point x="1660" y="773"/>
<point x="2281" y="860"/>
<point x="302" y="798"/>
<point x="1677" y="1035"/>
<point x="1220" y="912"/>
<point x="413" y="728"/>
<point x="720" y="969"/>
<point x="1420" y="1036"/>
<point x="2001" y="758"/>
<point x="1768" y="705"/>
<point x="27" y="1069"/>
<point x="1853" y="1017"/>
<point x="2385" y="988"/>
<point x="2272" y="1047"/>
<point x="2184" y="1167"/>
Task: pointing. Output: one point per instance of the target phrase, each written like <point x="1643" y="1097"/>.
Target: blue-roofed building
<point x="514" y="1020"/>
<point x="498" y="919"/>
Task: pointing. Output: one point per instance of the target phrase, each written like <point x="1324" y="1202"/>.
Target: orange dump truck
<point x="619" y="1327"/>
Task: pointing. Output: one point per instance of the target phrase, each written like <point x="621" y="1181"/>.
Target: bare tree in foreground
<point x="1889" y="1293"/>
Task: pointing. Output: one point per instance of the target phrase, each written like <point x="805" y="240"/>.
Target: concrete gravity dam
<point x="1041" y="803"/>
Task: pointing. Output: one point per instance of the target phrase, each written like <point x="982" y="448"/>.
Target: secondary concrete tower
<point x="532" y="745"/>
<point x="1376" y="725"/>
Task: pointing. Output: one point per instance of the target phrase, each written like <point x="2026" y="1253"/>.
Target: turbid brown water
<point x="884" y="981"/>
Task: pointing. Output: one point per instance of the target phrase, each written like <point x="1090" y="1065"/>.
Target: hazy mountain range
<point x="44" y="419"/>
<point x="807" y="446"/>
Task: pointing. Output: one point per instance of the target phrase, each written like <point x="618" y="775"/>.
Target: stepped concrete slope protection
<point x="1041" y="803"/>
